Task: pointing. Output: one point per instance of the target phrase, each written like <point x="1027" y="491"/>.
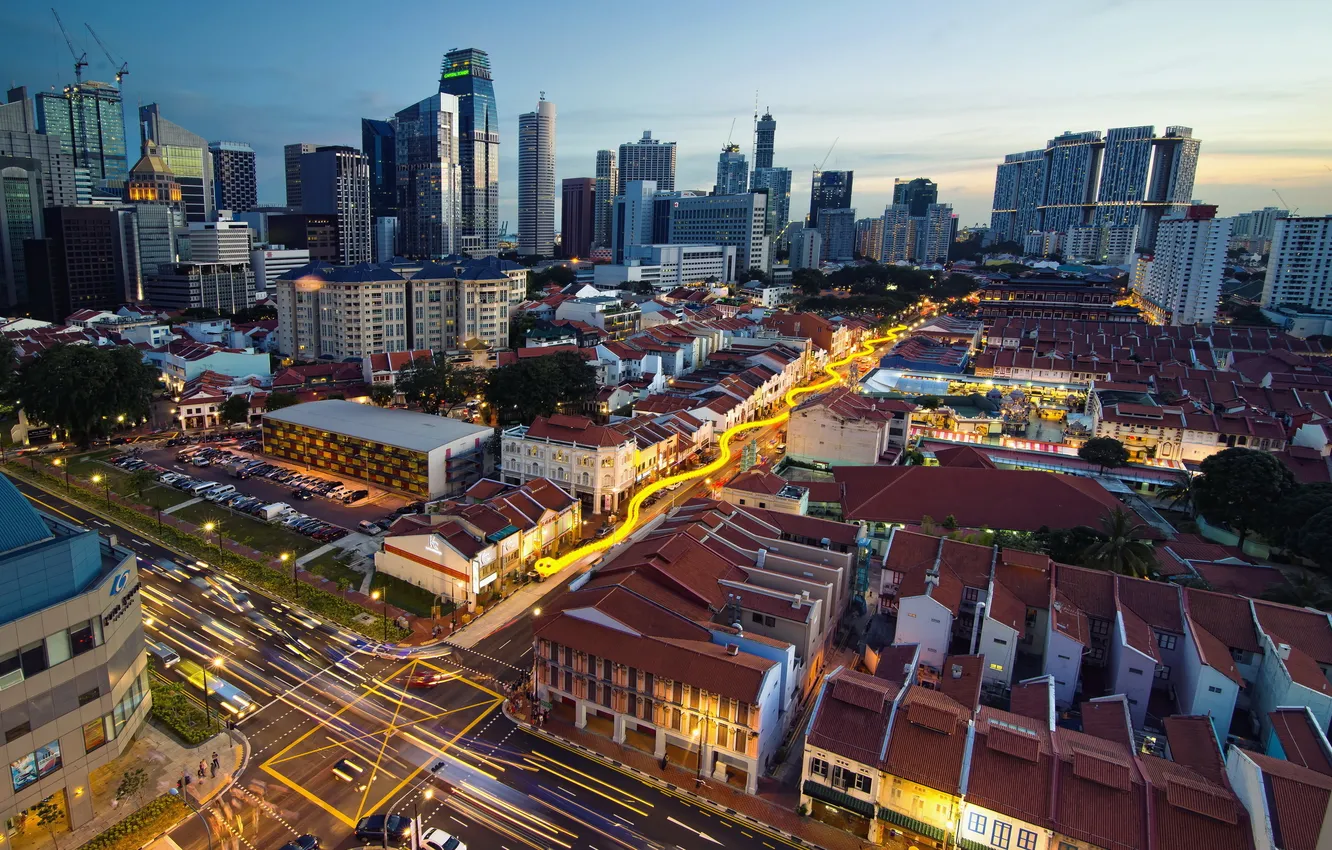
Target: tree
<point x="809" y="281"/>
<point x="1315" y="540"/>
<point x="1298" y="507"/>
<point x="381" y="395"/>
<point x="641" y="287"/>
<point x="235" y="409"/>
<point x="82" y="389"/>
<point x="49" y="814"/>
<point x="1179" y="492"/>
<point x="436" y="384"/>
<point x="132" y="785"/>
<point x="1304" y="590"/>
<point x="1105" y="452"/>
<point x="140" y="480"/>
<point x="929" y="402"/>
<point x="1122" y="551"/>
<point x="278" y="400"/>
<point x="539" y="386"/>
<point x="1067" y="545"/>
<point x="8" y="369"/>
<point x="1242" y="488"/>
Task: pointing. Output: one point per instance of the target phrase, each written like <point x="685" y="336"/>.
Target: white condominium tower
<point x="536" y="181"/>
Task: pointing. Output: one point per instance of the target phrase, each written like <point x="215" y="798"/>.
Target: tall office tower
<point x="311" y="232"/>
<point x="647" y="159"/>
<point x="934" y="234"/>
<point x="899" y="234"/>
<point x="1170" y="189"/>
<point x="225" y="241"/>
<point x="829" y="190"/>
<point x="430" y="176"/>
<point x="636" y="219"/>
<point x="777" y="183"/>
<point x="736" y="220"/>
<point x="837" y="228"/>
<point x="80" y="264"/>
<point x="536" y="181"/>
<point x="869" y="238"/>
<point x="21" y="195"/>
<point x="224" y="287"/>
<point x="1183" y="279"/>
<point x="608" y="185"/>
<point x="917" y="193"/>
<point x="19" y="138"/>
<point x="1124" y="164"/>
<point x="187" y="156"/>
<point x="89" y="119"/>
<point x="377" y="143"/>
<point x="385" y="240"/>
<point x="806" y="249"/>
<point x="577" y="215"/>
<point x="765" y="134"/>
<point x="465" y="75"/>
<point x="732" y="172"/>
<point x="16" y="114"/>
<point x="1019" y="191"/>
<point x="235" y="184"/>
<point x="155" y="194"/>
<point x="335" y="180"/>
<point x="291" y="161"/>
<point x="1299" y="269"/>
<point x="1072" y="165"/>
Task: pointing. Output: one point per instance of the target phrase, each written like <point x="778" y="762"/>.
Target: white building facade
<point x="1299" y="270"/>
<point x="1182" y="285"/>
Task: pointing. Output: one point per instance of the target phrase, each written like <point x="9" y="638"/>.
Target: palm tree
<point x="1181" y="491"/>
<point x="1304" y="590"/>
<point x="1122" y="551"/>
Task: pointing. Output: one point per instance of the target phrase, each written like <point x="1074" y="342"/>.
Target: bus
<point x="221" y="693"/>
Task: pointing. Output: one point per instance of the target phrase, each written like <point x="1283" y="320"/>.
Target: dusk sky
<point x="939" y="90"/>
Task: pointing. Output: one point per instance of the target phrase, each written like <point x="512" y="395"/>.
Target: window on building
<point x="1001" y="834"/>
<point x="976" y="822"/>
<point x="1163" y="672"/>
<point x="1026" y="839"/>
<point x="1135" y="670"/>
<point x="1214" y="689"/>
<point x="94" y="734"/>
<point x="1165" y="641"/>
<point x="818" y="767"/>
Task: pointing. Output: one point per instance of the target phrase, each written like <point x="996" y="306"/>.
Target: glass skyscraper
<point x="378" y="146"/>
<point x="829" y="190"/>
<point x="765" y="133"/>
<point x="465" y="74"/>
<point x="188" y="158"/>
<point x="428" y="177"/>
<point x="90" y="121"/>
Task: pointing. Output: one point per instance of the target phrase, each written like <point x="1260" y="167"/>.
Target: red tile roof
<point x="1012" y="765"/>
<point x="1297" y="801"/>
<point x="853" y="715"/>
<point x="1240" y="579"/>
<point x="929" y="739"/>
<point x="1189" y="812"/>
<point x="1309" y="629"/>
<point x="1157" y="603"/>
<point x="1302" y="742"/>
<point x="574" y="429"/>
<point x="1093" y="591"/>
<point x="1225" y="616"/>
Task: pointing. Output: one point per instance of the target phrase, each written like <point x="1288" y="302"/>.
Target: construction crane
<point x="819" y="167"/>
<point x="1293" y="212"/>
<point x="80" y="59"/>
<point x="124" y="66"/>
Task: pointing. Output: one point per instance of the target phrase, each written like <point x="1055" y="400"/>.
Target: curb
<point x="658" y="781"/>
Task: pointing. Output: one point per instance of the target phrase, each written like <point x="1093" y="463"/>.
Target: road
<point x="323" y="702"/>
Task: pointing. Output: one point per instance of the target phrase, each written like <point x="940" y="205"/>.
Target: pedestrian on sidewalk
<point x="203" y="769"/>
<point x="216" y="763"/>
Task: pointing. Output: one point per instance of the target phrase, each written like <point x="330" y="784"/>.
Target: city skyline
<point x="1261" y="132"/>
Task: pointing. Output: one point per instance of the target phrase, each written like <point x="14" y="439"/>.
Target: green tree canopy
<point x="235" y="409"/>
<point x="809" y="281"/>
<point x="82" y="389"/>
<point x="279" y="400"/>
<point x="1067" y="545"/>
<point x="436" y="384"/>
<point x="381" y="395"/>
<point x="537" y="386"/>
<point x="1105" y="452"/>
<point x="1298" y="507"/>
<point x="1315" y="539"/>
<point x="8" y="370"/>
<point x="1242" y="488"/>
<point x="1122" y="551"/>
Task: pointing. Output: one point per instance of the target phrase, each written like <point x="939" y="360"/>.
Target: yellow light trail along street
<point x="549" y="566"/>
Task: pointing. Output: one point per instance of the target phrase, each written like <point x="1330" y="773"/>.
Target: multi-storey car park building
<point x="425" y="456"/>
<point x="73" y="674"/>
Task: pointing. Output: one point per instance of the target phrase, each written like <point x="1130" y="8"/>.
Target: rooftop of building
<point x="402" y="428"/>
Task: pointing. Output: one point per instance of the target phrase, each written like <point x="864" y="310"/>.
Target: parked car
<point x="396" y="829"/>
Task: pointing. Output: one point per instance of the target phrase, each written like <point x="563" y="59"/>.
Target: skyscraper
<point x="1124" y="165"/>
<point x="81" y="263"/>
<point x="187" y="156"/>
<point x="1183" y="281"/>
<point x="235" y="186"/>
<point x="577" y="215"/>
<point x="21" y="195"/>
<point x="732" y="172"/>
<point x="1299" y="270"/>
<point x="899" y="234"/>
<point x="917" y="193"/>
<point x="465" y="74"/>
<point x="647" y="159"/>
<point x="536" y="181"/>
<point x="1072" y="166"/>
<point x="934" y="234"/>
<point x="89" y="119"/>
<point x="837" y="228"/>
<point x="765" y="134"/>
<point x="829" y="190"/>
<point x="608" y="184"/>
<point x="869" y="238"/>
<point x="735" y="220"/>
<point x="1170" y="188"/>
<point x="291" y="161"/>
<point x="430" y="174"/>
<point x="154" y="193"/>
<point x="335" y="180"/>
<point x="777" y="183"/>
<point x="378" y="145"/>
<point x="1019" y="190"/>
<point x="806" y="249"/>
<point x="16" y="113"/>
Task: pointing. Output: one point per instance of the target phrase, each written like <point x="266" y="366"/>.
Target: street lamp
<point x="208" y="830"/>
<point x="284" y="557"/>
<point x="382" y="593"/>
<point x="208" y="528"/>
<point x="59" y="462"/>
<point x="428" y="794"/>
<point x="99" y="478"/>
<point x="208" y="715"/>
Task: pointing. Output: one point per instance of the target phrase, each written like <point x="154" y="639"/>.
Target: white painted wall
<point x="1063" y="661"/>
<point x="998" y="643"/>
<point x="1246" y="780"/>
<point x="922" y="620"/>
<point x="1131" y="672"/>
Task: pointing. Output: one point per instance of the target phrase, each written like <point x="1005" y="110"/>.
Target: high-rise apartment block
<point x="291" y="161"/>
<point x="917" y="194"/>
<point x="89" y="120"/>
<point x="829" y="190"/>
<point x="899" y="234"/>
<point x="608" y="186"/>
<point x="936" y="234"/>
<point x="465" y="75"/>
<point x="577" y="216"/>
<point x="21" y="195"/>
<point x="777" y="183"/>
<point x="1299" y="268"/>
<point x="765" y="136"/>
<point x="81" y="263"/>
<point x="430" y="177"/>
<point x="869" y="238"/>
<point x="1256" y="228"/>
<point x="235" y="184"/>
<point x="806" y="249"/>
<point x="1086" y="243"/>
<point x="380" y="148"/>
<point x="335" y="180"/>
<point x="647" y="159"/>
<point x="1182" y="284"/>
<point x="837" y="228"/>
<point x="188" y="157"/>
<point x="536" y="181"/>
<point x="1019" y="189"/>
<point x="732" y="172"/>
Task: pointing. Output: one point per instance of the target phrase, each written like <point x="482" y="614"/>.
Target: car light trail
<point x="549" y="566"/>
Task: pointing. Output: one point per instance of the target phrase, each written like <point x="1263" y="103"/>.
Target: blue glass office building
<point x="90" y="121"/>
<point x="466" y="75"/>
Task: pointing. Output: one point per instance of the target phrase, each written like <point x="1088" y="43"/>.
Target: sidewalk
<point x="773" y="808"/>
<point x="165" y="761"/>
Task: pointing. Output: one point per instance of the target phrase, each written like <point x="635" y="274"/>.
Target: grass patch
<point x="180" y="714"/>
<point x="330" y="566"/>
<point x="404" y="595"/>
<point x="136" y="830"/>
<point x="257" y="534"/>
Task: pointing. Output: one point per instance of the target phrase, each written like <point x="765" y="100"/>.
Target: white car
<point x="438" y="839"/>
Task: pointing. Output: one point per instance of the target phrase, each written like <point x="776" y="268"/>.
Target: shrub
<point x="136" y="830"/>
<point x="178" y="713"/>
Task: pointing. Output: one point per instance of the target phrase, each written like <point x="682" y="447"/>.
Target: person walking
<point x="203" y="769"/>
<point x="214" y="765"/>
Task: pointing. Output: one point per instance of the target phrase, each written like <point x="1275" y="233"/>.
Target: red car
<point x="425" y="680"/>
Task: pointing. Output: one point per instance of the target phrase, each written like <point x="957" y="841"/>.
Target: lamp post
<point x="382" y="593"/>
<point x="99" y="478"/>
<point x="428" y="794"/>
<point x="208" y="831"/>
<point x="216" y="662"/>
<point x="284" y="557"/>
<point x="210" y="527"/>
<point x="61" y="462"/>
